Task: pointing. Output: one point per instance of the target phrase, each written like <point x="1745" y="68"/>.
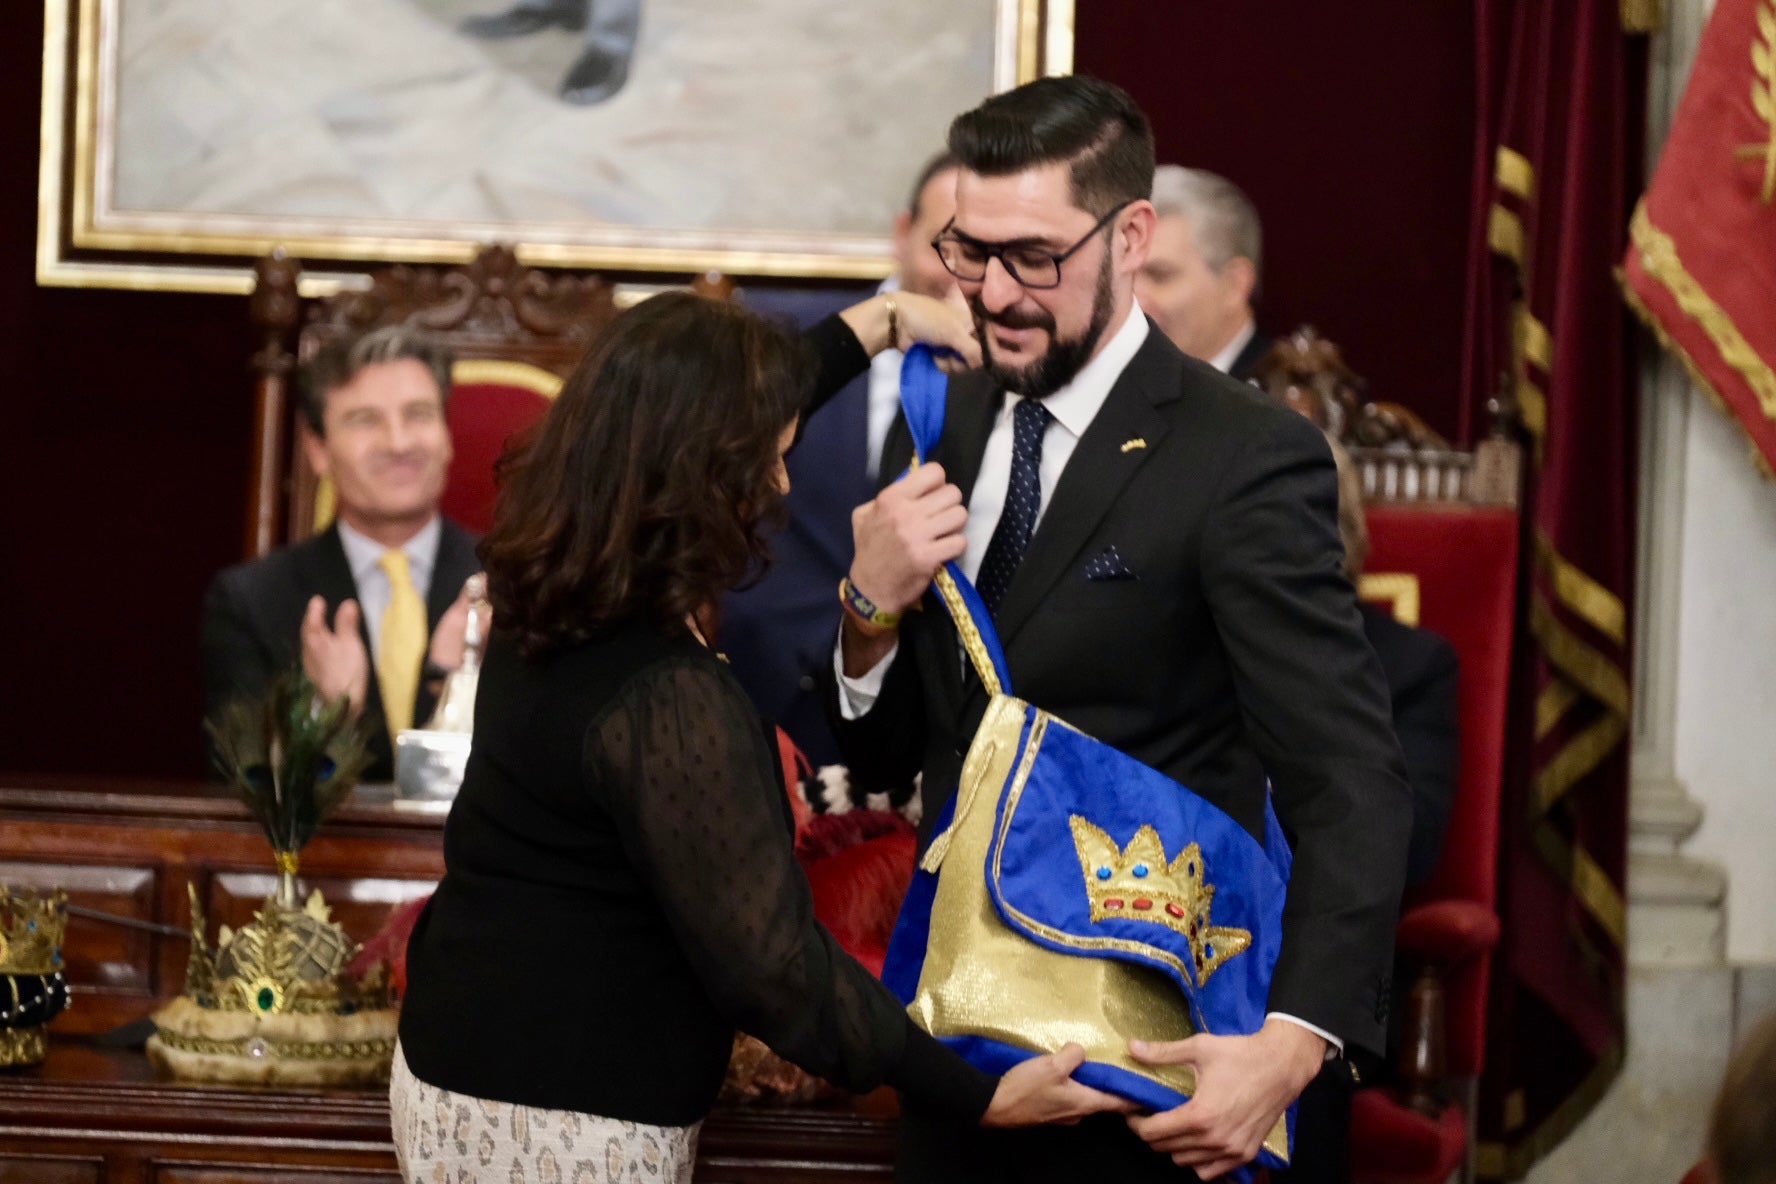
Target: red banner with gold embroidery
<point x="1701" y="263"/>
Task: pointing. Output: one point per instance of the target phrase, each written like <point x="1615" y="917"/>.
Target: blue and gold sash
<point x="1071" y="893"/>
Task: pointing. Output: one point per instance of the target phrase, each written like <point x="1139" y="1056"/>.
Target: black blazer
<point x="1229" y="650"/>
<point x="1251" y="355"/>
<point x="1422" y="675"/>
<point x="252" y="622"/>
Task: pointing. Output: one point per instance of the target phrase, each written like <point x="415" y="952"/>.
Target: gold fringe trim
<point x="1594" y="673"/>
<point x="1533" y="338"/>
<point x="1512" y="1161"/>
<point x="1576" y="758"/>
<point x="1590" y="884"/>
<point x="1596" y="605"/>
<point x="1701" y="380"/>
<point x="1659" y="259"/>
<point x="1504" y="234"/>
<point x="1514" y="173"/>
<point x="1643" y="16"/>
<point x="1556" y="699"/>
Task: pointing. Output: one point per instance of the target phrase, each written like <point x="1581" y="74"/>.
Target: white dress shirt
<point x="363" y="555"/>
<point x="1072" y="408"/>
<point x="1230" y="353"/>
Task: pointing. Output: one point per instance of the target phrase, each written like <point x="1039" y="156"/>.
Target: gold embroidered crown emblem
<point x="1137" y="883"/>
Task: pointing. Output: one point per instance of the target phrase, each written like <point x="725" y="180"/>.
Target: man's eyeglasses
<point x="967" y="258"/>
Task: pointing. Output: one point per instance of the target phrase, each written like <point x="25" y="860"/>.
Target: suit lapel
<point x="455" y="563"/>
<point x="1090" y="484"/>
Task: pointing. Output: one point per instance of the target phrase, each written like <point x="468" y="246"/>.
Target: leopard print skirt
<point x="448" y="1138"/>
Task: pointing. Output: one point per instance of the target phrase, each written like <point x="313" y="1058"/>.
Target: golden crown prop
<point x="273" y="1003"/>
<point x="33" y="987"/>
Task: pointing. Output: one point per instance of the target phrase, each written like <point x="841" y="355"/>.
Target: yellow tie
<point x="402" y="645"/>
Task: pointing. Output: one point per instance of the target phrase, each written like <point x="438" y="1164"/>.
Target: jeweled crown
<point x="31" y="931"/>
<point x="287" y="960"/>
<point x="1137" y="883"/>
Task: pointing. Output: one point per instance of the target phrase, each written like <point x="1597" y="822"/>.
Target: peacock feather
<point x="292" y="757"/>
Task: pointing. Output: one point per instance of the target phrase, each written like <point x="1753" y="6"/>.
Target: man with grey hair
<point x="372" y="606"/>
<point x="1201" y="278"/>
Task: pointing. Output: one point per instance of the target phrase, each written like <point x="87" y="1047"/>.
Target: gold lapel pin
<point x="1131" y="445"/>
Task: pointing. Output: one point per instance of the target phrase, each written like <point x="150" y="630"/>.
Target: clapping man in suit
<point x="373" y="606"/>
<point x="1158" y="545"/>
<point x="1202" y="276"/>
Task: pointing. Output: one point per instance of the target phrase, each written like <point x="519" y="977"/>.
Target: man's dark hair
<point x="649" y="485"/>
<point x="1091" y="126"/>
<point x="338" y="362"/>
<point x="943" y="162"/>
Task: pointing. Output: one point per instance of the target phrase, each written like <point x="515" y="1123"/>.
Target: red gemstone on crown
<point x="1143" y="904"/>
<point x="1176" y="910"/>
<point x="1114" y="902"/>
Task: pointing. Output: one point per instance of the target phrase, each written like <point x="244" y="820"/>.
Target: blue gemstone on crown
<point x="1103" y="873"/>
<point x="1140" y="871"/>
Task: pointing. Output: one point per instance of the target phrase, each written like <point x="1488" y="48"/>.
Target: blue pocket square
<point x="1108" y="565"/>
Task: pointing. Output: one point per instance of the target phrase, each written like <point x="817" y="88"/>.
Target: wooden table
<point x="93" y="1114"/>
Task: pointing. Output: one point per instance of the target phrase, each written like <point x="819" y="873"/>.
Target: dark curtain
<point x="1561" y="88"/>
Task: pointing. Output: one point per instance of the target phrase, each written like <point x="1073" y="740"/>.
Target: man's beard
<point x="1064" y="359"/>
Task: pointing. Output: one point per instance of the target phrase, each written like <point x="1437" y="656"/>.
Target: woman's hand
<point x="946" y="325"/>
<point x="1042" y="1090"/>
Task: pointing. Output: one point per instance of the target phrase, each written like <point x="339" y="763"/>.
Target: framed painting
<point x="183" y="138"/>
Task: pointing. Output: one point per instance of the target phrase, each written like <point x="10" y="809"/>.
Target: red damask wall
<point x="126" y="415"/>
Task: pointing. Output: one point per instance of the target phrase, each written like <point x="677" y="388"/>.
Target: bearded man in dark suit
<point x="373" y="606"/>
<point x="1158" y="545"/>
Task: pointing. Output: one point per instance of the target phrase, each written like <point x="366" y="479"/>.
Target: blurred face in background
<point x="916" y="262"/>
<point x="385" y="444"/>
<point x="1199" y="306"/>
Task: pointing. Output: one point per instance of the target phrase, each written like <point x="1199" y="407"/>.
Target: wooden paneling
<point x="106" y="958"/>
<point x="241" y="1173"/>
<point x="131" y="856"/>
<point x="50" y="1169"/>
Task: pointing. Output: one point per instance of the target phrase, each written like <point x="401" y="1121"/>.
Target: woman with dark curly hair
<point x="620" y="890"/>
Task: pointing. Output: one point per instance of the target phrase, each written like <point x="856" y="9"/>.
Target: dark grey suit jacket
<point x="252" y="622"/>
<point x="1232" y="651"/>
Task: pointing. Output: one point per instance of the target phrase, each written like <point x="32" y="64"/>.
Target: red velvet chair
<point x="1450" y="568"/>
<point x="1443" y="542"/>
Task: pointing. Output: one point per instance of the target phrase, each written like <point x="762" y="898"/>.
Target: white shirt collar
<point x="1075" y="405"/>
<point x="363" y="554"/>
<point x="1230" y="353"/>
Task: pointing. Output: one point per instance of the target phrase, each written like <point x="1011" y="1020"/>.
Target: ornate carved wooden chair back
<point x="1443" y="553"/>
<point x="516" y="332"/>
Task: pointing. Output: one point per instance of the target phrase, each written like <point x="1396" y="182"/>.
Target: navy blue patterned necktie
<point x="1023" y="501"/>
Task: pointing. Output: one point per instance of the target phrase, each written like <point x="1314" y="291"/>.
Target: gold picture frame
<point x="90" y="236"/>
